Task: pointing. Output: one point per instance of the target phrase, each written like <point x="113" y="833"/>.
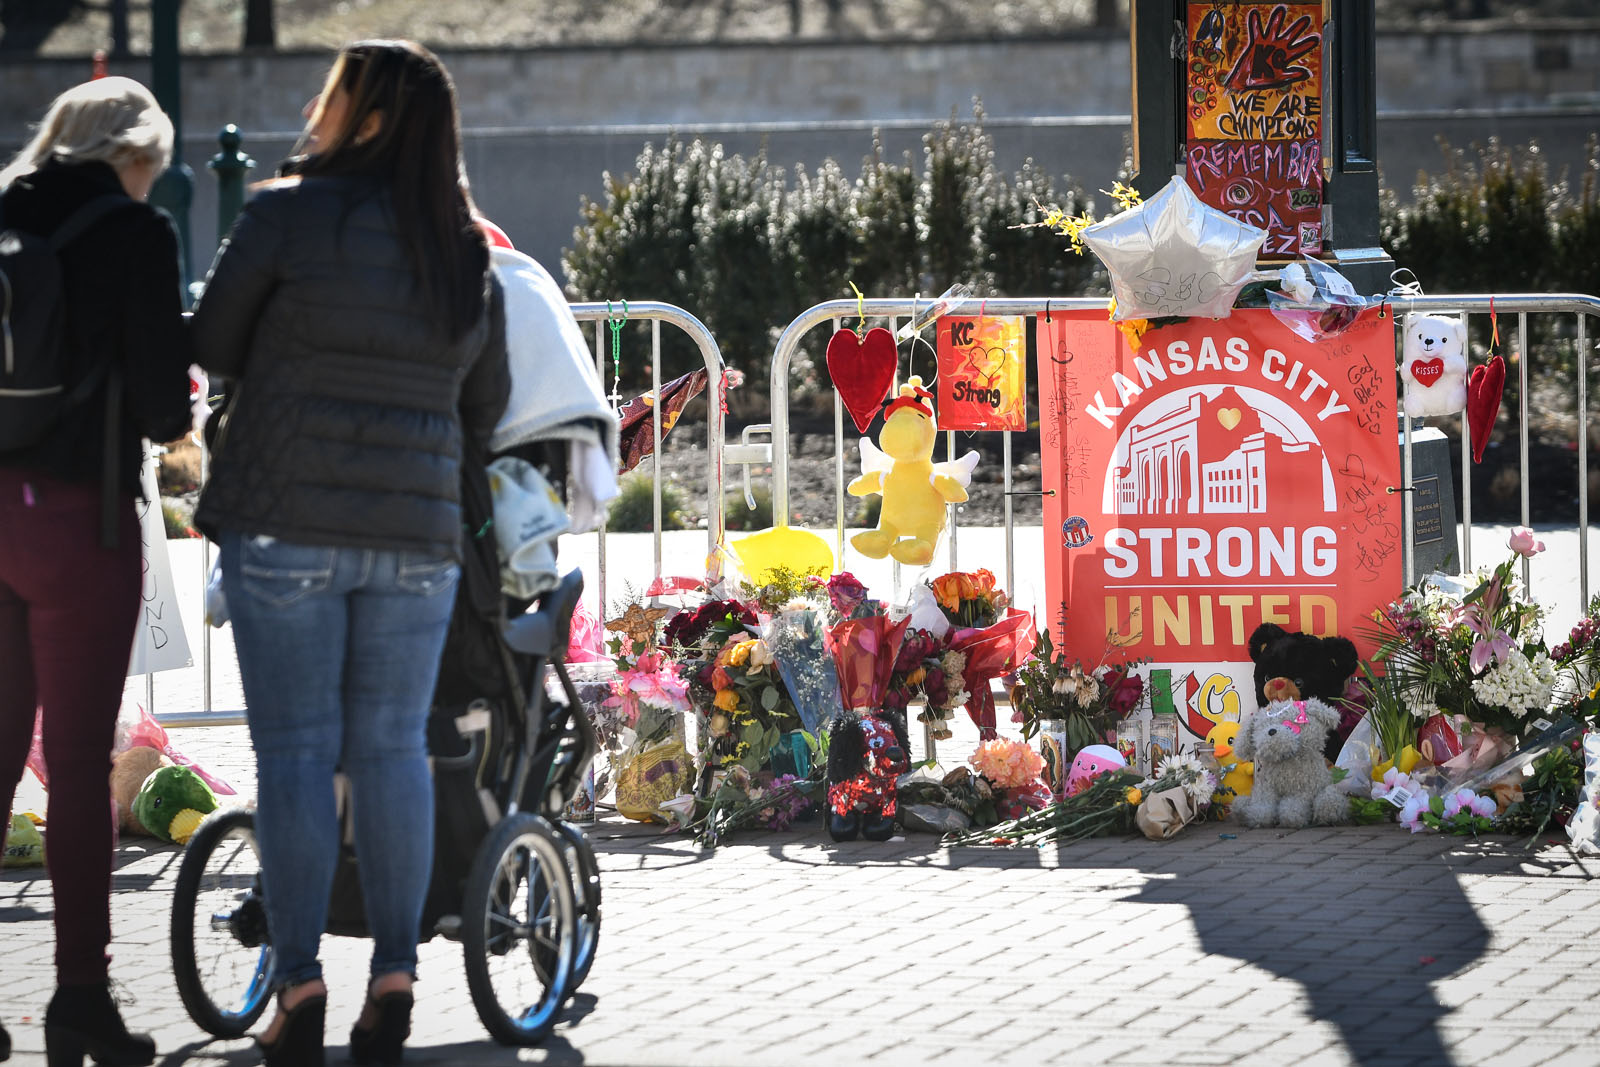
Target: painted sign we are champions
<point x="1223" y="474"/>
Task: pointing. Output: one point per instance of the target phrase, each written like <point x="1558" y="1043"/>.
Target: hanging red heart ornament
<point x="862" y="371"/>
<point x="1485" y="386"/>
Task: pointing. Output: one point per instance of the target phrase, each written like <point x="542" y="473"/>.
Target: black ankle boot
<point x="82" y="1020"/>
<point x="5" y="1044"/>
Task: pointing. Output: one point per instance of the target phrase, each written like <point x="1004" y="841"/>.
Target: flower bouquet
<point x="743" y="800"/>
<point x="1481" y="654"/>
<point x="797" y="636"/>
<point x="990" y="635"/>
<point x="926" y="670"/>
<point x="1083" y="706"/>
<point x="1012" y="769"/>
<point x="864" y="653"/>
<point x="1107" y="806"/>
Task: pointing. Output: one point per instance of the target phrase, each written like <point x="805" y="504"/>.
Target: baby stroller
<point x="515" y="885"/>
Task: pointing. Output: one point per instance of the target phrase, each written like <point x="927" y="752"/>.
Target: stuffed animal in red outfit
<point x="867" y="754"/>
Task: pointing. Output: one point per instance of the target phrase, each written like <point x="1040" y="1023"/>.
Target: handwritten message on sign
<point x="1227" y="474"/>
<point x="159" y="643"/>
<point x="983" y="374"/>
<point x="1253" y="107"/>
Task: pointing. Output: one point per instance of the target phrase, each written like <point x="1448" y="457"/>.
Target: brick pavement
<point x="1366" y="946"/>
<point x="1319" y="947"/>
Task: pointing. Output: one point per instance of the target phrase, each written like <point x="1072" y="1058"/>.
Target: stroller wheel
<point x="585" y="874"/>
<point x="518" y="933"/>
<point x="221" y="956"/>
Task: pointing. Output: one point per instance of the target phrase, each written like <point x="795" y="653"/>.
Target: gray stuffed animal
<point x="1293" y="786"/>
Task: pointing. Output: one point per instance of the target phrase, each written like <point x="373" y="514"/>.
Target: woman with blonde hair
<point x="70" y="569"/>
<point x="353" y="307"/>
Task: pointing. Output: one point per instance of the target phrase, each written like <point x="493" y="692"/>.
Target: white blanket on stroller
<point x="556" y="391"/>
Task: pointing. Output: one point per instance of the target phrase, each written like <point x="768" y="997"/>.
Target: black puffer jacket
<point x="346" y="427"/>
<point x="123" y="302"/>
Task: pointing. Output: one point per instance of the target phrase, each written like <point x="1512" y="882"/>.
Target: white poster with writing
<point x="159" y="643"/>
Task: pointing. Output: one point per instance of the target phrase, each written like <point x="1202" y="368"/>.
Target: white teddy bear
<point x="1435" y="365"/>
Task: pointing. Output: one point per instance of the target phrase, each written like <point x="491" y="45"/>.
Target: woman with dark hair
<point x="70" y="566"/>
<point x="353" y="310"/>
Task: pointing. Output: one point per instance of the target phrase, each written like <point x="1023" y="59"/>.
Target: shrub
<point x="1494" y="222"/>
<point x="746" y="248"/>
<point x="738" y="515"/>
<point x="633" y="511"/>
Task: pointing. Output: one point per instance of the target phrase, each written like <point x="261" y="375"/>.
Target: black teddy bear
<point x="1294" y="666"/>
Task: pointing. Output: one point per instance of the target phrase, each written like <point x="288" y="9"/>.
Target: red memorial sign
<point x="1253" y="107"/>
<point x="1226" y="474"/>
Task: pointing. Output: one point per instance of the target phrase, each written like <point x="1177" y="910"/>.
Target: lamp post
<point x="174" y="189"/>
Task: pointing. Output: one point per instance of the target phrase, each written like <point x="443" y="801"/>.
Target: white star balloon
<point x="1173" y="255"/>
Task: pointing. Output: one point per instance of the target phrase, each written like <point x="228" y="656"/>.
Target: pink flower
<point x="1483" y="807"/>
<point x="1524" y="543"/>
<point x="1411" y="814"/>
<point x="1494" y="647"/>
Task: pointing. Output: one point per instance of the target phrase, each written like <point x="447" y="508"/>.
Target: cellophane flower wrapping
<point x="991" y="651"/>
<point x="799" y="644"/>
<point x="864" y="652"/>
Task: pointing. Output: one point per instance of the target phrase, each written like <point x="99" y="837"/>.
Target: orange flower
<point x="916" y="677"/>
<point x="727" y="700"/>
<point x="947" y="591"/>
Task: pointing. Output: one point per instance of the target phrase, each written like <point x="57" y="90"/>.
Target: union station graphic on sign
<point x="1214" y="450"/>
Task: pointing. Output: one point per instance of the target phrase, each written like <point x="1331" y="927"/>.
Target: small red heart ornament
<point x="1485" y="386"/>
<point x="1427" y="371"/>
<point x="862" y="371"/>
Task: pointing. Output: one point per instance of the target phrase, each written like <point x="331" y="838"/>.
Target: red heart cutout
<point x="1485" y="386"/>
<point x="1427" y="371"/>
<point x="862" y="371"/>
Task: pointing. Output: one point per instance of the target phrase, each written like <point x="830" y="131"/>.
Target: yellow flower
<point x="916" y="676"/>
<point x="1132" y="795"/>
<point x="727" y="700"/>
<point x="760" y="654"/>
<point x="739" y="654"/>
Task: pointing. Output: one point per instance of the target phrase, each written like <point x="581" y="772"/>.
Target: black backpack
<point x="33" y="390"/>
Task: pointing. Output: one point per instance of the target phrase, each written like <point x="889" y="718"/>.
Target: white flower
<point x="1185" y="766"/>
<point x="1517" y="683"/>
<point x="1201" y="788"/>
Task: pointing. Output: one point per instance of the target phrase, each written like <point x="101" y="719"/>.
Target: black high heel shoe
<point x="299" y="1042"/>
<point x="385" y="1042"/>
<point x="83" y="1021"/>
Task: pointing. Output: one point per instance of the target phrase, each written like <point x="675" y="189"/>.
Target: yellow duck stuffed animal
<point x="915" y="489"/>
<point x="1238" y="778"/>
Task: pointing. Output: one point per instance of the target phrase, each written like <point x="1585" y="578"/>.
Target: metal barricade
<point x="599" y="313"/>
<point x="1521" y="305"/>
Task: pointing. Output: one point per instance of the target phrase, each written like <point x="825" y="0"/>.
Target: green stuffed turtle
<point x="172" y="802"/>
<point x="24" y="845"/>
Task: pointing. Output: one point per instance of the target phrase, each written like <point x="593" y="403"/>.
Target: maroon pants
<point x="68" y="608"/>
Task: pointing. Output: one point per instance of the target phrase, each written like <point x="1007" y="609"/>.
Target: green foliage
<point x="746" y="247"/>
<point x="1366" y="811"/>
<point x="633" y="511"/>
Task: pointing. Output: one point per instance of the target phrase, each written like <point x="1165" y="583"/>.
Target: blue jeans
<point x="339" y="651"/>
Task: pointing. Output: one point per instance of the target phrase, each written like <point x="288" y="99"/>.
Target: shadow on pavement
<point x="1367" y="920"/>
